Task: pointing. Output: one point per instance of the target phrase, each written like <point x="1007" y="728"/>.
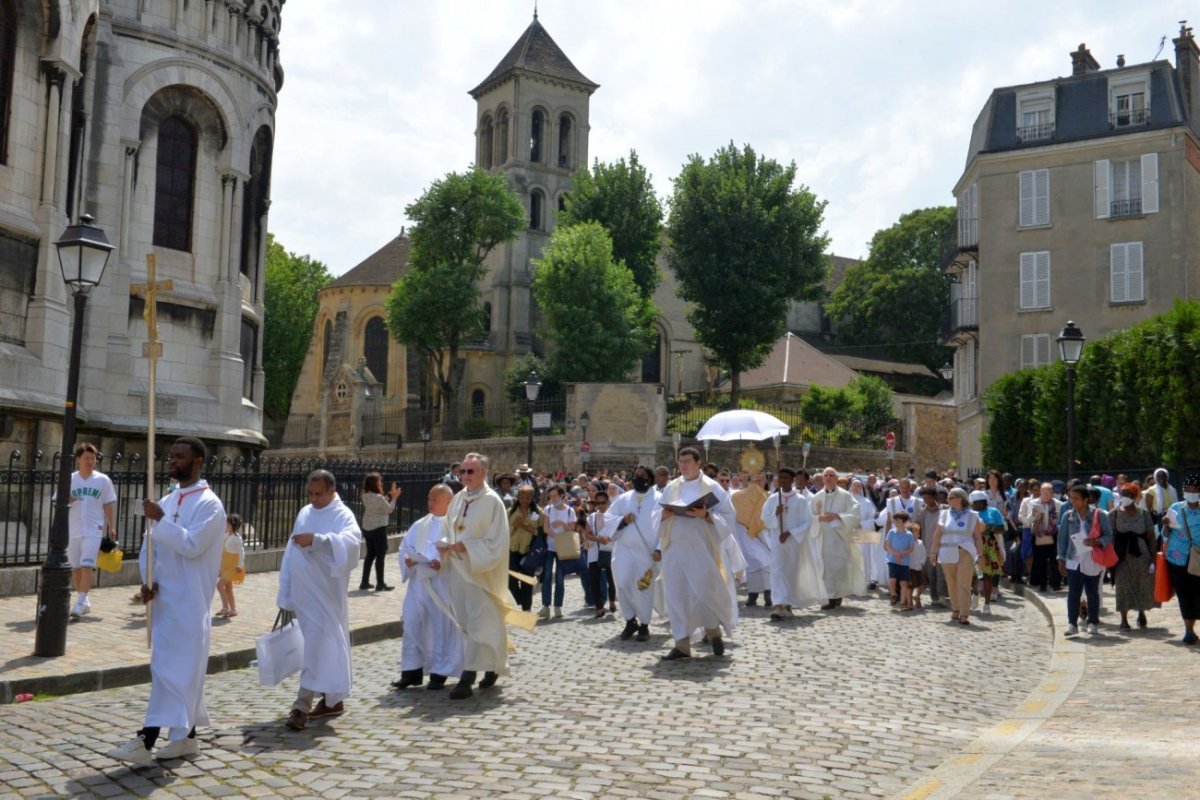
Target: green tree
<point x="1008" y="442"/>
<point x="744" y="244"/>
<point x="514" y="381"/>
<point x="620" y="196"/>
<point x="855" y="415"/>
<point x="897" y="297"/>
<point x="289" y="309"/>
<point x="436" y="306"/>
<point x="596" y="320"/>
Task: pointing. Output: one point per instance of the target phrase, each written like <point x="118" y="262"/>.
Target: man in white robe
<point x="695" y="577"/>
<point x="314" y="577"/>
<point x="835" y="519"/>
<point x="432" y="642"/>
<point x="188" y="534"/>
<point x="796" y="579"/>
<point x="476" y="548"/>
<point x="756" y="548"/>
<point x="632" y="524"/>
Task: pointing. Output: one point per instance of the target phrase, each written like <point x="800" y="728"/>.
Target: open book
<point x="706" y="500"/>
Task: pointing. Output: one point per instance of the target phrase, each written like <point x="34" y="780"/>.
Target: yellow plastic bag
<point x="110" y="561"/>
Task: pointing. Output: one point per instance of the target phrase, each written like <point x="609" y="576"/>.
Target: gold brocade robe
<point x="748" y="505"/>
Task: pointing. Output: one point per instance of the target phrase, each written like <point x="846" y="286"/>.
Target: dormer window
<point x="1035" y="115"/>
<point x="1129" y="101"/>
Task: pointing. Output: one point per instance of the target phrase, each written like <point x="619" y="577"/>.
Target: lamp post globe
<point x="533" y="385"/>
<point x="83" y="252"/>
<point x="1070" y="347"/>
<point x="424" y="444"/>
<point x="947" y="372"/>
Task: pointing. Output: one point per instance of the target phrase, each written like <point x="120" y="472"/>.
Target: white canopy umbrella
<point x="741" y="423"/>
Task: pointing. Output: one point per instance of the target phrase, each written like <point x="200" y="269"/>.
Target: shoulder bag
<point x="1193" y="562"/>
<point x="280" y="652"/>
<point x="1105" y="556"/>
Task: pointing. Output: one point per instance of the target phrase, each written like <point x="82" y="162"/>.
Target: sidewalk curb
<point x="1067" y="664"/>
<point x="116" y="677"/>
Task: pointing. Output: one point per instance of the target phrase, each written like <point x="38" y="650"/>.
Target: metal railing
<point x="687" y="417"/>
<point x="475" y="421"/>
<point x="1125" y="119"/>
<point x="266" y="494"/>
<point x="963" y="315"/>
<point x="968" y="232"/>
<point x="1126" y="208"/>
<point x="1035" y="133"/>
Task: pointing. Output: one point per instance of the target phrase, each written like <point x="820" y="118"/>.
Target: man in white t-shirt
<point x="90" y="518"/>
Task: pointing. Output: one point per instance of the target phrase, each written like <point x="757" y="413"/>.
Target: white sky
<point x="874" y="101"/>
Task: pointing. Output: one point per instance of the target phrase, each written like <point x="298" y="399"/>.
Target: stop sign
<point x="585" y="446"/>
<point x="890" y="441"/>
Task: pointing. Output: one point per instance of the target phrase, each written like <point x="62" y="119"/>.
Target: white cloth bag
<point x="280" y="654"/>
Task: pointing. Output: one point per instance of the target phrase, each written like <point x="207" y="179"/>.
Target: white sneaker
<point x="987" y="608"/>
<point x="974" y="602"/>
<point x="178" y="749"/>
<point x="133" y="752"/>
<point x="82" y="606"/>
<point x="558" y="612"/>
<point x="1093" y="629"/>
<point x="1072" y="630"/>
<point x="544" y="613"/>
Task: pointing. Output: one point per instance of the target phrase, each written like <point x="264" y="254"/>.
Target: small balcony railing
<point x="1126" y="208"/>
<point x="1035" y="133"/>
<point x="968" y="233"/>
<point x="963" y="315"/>
<point x="1130" y="118"/>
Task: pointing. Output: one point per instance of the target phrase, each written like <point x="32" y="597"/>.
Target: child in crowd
<point x="916" y="564"/>
<point x="899" y="544"/>
<point x="233" y="566"/>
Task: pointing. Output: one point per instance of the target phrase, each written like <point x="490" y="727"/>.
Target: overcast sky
<point x="874" y="101"/>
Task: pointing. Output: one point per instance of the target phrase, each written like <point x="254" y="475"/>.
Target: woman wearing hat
<point x="957" y="545"/>
<point x="523" y="523"/>
<point x="1181" y="529"/>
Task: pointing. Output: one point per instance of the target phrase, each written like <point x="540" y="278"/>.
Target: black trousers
<point x="603" y="563"/>
<point x="377" y="547"/>
<point x="1045" y="567"/>
<point x="522" y="592"/>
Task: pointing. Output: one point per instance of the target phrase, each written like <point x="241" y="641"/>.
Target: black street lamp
<point x="83" y="254"/>
<point x="1070" y="347"/>
<point x="947" y="371"/>
<point x="533" y="385"/>
<point x="425" y="445"/>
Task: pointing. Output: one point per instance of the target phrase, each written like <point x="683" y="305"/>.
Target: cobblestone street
<point x="859" y="703"/>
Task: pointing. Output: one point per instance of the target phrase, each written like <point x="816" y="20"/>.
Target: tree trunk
<point x="735" y="384"/>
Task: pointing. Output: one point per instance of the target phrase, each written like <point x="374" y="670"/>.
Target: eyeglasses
<point x="466" y="472"/>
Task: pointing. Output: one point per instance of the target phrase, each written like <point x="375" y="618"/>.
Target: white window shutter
<point x="1150" y="183"/>
<point x="1133" y="271"/>
<point x="1043" y="349"/>
<point x="1028" y="354"/>
<point x="1119" y="259"/>
<point x="1025" y="189"/>
<point x="1041" y="197"/>
<point x="1041" y="279"/>
<point x="1028" y="280"/>
<point x="1101" y="182"/>
<point x="975" y="202"/>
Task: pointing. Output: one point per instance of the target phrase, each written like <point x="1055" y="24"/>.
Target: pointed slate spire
<point x="535" y="52"/>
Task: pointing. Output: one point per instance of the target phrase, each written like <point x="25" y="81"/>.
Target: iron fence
<point x="266" y="494"/>
<point x="686" y="418"/>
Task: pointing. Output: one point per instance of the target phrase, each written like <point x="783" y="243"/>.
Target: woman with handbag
<point x="1043" y="524"/>
<point x="1181" y="529"/>
<point x="1084" y="528"/>
<point x="1133" y="532"/>
<point x="559" y="523"/>
<point x="524" y="535"/>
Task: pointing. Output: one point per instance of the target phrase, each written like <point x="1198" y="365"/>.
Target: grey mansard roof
<point x="536" y="53"/>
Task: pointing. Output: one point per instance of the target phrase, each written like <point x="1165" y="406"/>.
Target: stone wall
<point x="934" y="435"/>
<point x="729" y="455"/>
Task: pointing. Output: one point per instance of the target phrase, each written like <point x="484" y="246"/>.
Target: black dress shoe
<point x="436" y="682"/>
<point x="718" y="646"/>
<point x="383" y="587"/>
<point x="643" y="634"/>
<point x="1142" y="619"/>
<point x="362" y="587"/>
<point x="767" y="599"/>
<point x="675" y="655"/>
<point x="829" y="606"/>
<point x="462" y="689"/>
<point x="489" y="680"/>
<point x="630" y="629"/>
<point x="410" y="677"/>
<point x="752" y="599"/>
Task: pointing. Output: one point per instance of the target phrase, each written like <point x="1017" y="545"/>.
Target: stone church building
<point x="157" y="117"/>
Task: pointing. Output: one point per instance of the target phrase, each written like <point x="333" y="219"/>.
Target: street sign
<point x="585" y="457"/>
<point x="541" y="420"/>
<point x="889" y="441"/>
<point x="585" y="446"/>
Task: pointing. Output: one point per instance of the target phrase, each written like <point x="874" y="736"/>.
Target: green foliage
<point x="514" y="381"/>
<point x="592" y="312"/>
<point x="897" y="296"/>
<point x="745" y="244"/>
<point x="864" y="406"/>
<point x="620" y="196"/>
<point x="436" y="306"/>
<point x="475" y="428"/>
<point x="1134" y="398"/>
<point x="290" y="305"/>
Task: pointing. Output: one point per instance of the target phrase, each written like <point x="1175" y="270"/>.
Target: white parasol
<point x="742" y="423"/>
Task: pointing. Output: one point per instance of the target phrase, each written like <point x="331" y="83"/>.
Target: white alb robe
<point x="735" y="570"/>
<point x="796" y="579"/>
<point x="695" y="578"/>
<point x="313" y="582"/>
<point x="755" y="545"/>
<point x="633" y="551"/>
<point x="432" y="641"/>
<point x="841" y="560"/>
<point x="188" y="542"/>
<point x="873" y="555"/>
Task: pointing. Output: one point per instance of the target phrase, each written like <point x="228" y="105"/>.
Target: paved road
<point x="860" y="703"/>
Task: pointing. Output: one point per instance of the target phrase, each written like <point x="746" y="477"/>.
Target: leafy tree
<point x="435" y="307"/>
<point x="593" y="314"/>
<point x="620" y="196"/>
<point x="290" y="307"/>
<point x="858" y="413"/>
<point x="744" y="245"/>
<point x="896" y="297"/>
<point x="1008" y="442"/>
<point x="514" y="380"/>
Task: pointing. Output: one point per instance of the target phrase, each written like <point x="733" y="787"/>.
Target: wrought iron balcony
<point x="968" y="233"/>
<point x="962" y="316"/>
<point x="1125" y="208"/>
<point x="1035" y="133"/>
<point x="1129" y="118"/>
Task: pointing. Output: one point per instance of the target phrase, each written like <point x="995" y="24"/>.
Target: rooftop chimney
<point x="1082" y="61"/>
<point x="1187" y="66"/>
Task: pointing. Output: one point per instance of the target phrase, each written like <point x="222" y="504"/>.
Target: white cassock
<point x="695" y="578"/>
<point x="841" y="560"/>
<point x="188" y="542"/>
<point x="748" y="530"/>
<point x="873" y="555"/>
<point x="735" y="570"/>
<point x="432" y="641"/>
<point x="313" y="582"/>
<point x="633" y="551"/>
<point x="796" y="579"/>
<point x="479" y="593"/>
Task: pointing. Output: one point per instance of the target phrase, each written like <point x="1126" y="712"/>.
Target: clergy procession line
<point x="677" y="548"/>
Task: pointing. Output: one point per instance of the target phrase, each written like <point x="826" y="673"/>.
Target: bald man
<point x="836" y="517"/>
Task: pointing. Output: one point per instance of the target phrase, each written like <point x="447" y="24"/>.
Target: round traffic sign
<point x="585" y="446"/>
<point x="890" y="440"/>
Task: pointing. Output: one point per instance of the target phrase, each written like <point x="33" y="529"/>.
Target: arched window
<point x="8" y="56"/>
<point x="564" y="141"/>
<point x="174" y="184"/>
<point x="258" y="190"/>
<point x="501" y="137"/>
<point x="375" y="350"/>
<point x="249" y="350"/>
<point x="326" y="343"/>
<point x="536" y="201"/>
<point x="537" y="132"/>
<point x="562" y="203"/>
<point x="478" y="403"/>
<point x="486" y="142"/>
<point x="487" y="319"/>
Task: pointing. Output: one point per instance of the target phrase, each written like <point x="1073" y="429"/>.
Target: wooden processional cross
<point x="152" y="350"/>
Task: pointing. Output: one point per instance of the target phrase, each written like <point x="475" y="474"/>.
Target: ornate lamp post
<point x="83" y="254"/>
<point x="1070" y="347"/>
<point x="533" y="385"/>
<point x="947" y="371"/>
<point x="425" y="444"/>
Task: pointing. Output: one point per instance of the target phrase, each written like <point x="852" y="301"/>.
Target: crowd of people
<point x="646" y="543"/>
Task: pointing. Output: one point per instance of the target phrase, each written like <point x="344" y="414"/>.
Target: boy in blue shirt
<point x="899" y="543"/>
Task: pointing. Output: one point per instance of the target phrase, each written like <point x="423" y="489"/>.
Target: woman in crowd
<point x="523" y="523"/>
<point x="377" y="508"/>
<point x="1043" y="523"/>
<point x="1014" y="536"/>
<point x="1181" y="527"/>
<point x="996" y="492"/>
<point x="1133" y="532"/>
<point x="1075" y="562"/>
<point x="991" y="561"/>
<point x="1033" y="491"/>
<point x="957" y="544"/>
